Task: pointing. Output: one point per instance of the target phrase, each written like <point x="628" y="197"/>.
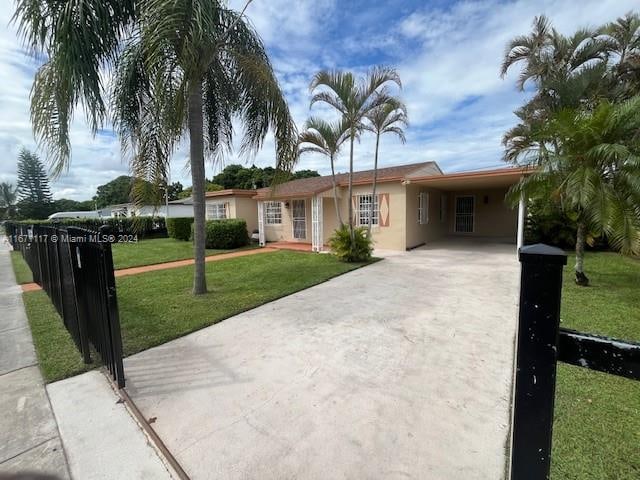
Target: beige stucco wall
<point x="239" y="207"/>
<point x="247" y="209"/>
<point x="492" y="219"/>
<point x="284" y="231"/>
<point x="393" y="236"/>
<point x="418" y="234"/>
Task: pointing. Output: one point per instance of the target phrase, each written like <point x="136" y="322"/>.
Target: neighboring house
<point x="415" y="204"/>
<point x="230" y="203"/>
<point x="176" y="209"/>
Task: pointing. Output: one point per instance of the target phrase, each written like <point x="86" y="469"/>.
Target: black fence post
<point x="535" y="379"/>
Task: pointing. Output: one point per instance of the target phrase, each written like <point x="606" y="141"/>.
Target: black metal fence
<point x="541" y="344"/>
<point x="74" y="266"/>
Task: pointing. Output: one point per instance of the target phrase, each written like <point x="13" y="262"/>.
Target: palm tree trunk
<point x="375" y="181"/>
<point x="196" y="154"/>
<point x="581" y="278"/>
<point x="351" y="186"/>
<point x="335" y="191"/>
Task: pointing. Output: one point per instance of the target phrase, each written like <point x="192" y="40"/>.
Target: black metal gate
<point x="74" y="267"/>
<point x="541" y="344"/>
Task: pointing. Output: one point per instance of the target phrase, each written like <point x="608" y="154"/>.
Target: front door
<point x="465" y="208"/>
<point x="299" y="220"/>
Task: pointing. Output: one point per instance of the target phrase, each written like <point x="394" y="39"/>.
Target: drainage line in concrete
<point x="152" y="434"/>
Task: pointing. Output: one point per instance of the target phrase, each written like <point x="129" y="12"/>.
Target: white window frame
<point x="423" y="208"/>
<point x="273" y="213"/>
<point x="362" y="210"/>
<point x="216" y="210"/>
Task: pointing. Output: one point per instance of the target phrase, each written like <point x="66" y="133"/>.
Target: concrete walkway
<point x="401" y="370"/>
<point x="29" y="437"/>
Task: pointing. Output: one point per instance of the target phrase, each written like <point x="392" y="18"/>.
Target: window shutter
<point x="384" y="211"/>
<point x="226" y="210"/>
<point x="354" y="206"/>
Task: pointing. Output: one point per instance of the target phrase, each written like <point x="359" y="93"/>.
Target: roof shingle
<point x="311" y="186"/>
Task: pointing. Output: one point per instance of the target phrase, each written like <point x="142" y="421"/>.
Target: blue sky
<point x="448" y="55"/>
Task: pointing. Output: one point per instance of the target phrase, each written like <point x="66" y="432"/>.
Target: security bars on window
<point x="273" y="213"/>
<point x="363" y="208"/>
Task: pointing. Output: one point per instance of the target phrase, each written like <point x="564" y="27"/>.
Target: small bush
<point x="343" y="248"/>
<point x="179" y="228"/>
<point x="225" y="234"/>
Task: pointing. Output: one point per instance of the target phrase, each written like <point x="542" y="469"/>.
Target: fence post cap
<point x="541" y="253"/>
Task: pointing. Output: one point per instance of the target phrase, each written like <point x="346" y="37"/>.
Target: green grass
<point x="21" y="269"/>
<point x="597" y="416"/>
<point x="157" y="250"/>
<point x="57" y="353"/>
<point x="156" y="307"/>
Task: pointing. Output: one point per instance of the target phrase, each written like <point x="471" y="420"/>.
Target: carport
<point x="470" y="205"/>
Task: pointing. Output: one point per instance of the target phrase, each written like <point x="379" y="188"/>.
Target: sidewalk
<point x="29" y="437"/>
<point x="75" y="428"/>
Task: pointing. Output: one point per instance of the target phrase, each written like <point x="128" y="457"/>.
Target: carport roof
<point x="497" y="178"/>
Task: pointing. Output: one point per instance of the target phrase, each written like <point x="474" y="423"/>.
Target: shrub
<point x="225" y="234"/>
<point x="357" y="251"/>
<point x="179" y="228"/>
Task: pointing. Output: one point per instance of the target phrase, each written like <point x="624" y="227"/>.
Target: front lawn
<point x="597" y="417"/>
<point x="157" y="250"/>
<point x="156" y="307"/>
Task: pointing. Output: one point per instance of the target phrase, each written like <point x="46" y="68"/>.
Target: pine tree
<point x="34" y="194"/>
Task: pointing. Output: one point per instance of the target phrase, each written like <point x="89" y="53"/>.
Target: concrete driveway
<point x="398" y="370"/>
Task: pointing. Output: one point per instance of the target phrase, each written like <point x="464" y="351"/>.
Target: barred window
<point x="273" y="213"/>
<point x="363" y="209"/>
<point x="216" y="211"/>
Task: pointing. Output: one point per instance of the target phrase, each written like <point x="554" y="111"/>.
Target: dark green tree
<point x="67" y="205"/>
<point x="116" y="191"/>
<point x="305" y="174"/>
<point x="34" y="194"/>
<point x="174" y="190"/>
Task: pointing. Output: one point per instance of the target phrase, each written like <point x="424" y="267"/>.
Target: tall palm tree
<point x="390" y="117"/>
<point x="184" y="69"/>
<point x="622" y="42"/>
<point x="594" y="175"/>
<point x="353" y="98"/>
<point x="325" y="138"/>
<point x="8" y="196"/>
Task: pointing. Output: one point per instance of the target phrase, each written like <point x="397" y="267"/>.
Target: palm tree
<point x="183" y="69"/>
<point x="353" y="99"/>
<point x="325" y="138"/>
<point x="8" y="195"/>
<point x="622" y="42"/>
<point x="594" y="175"/>
<point x="390" y="117"/>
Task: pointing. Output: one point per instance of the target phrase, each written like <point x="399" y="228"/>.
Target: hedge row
<point x="226" y="234"/>
<point x="141" y="226"/>
<point x="179" y="228"/>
